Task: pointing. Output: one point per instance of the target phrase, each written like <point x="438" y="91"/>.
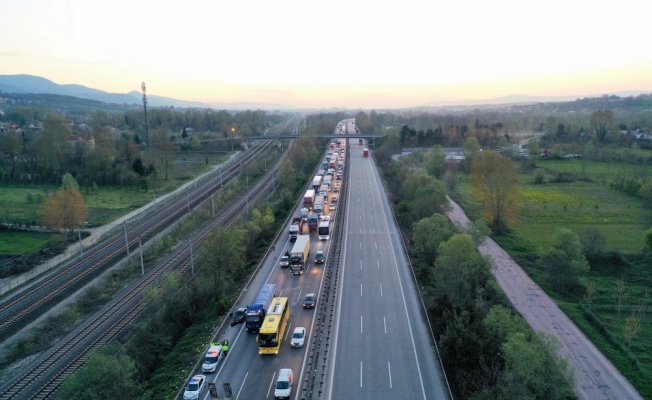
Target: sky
<point x="353" y="54"/>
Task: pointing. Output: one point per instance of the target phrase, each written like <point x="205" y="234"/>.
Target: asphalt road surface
<point x="383" y="347"/>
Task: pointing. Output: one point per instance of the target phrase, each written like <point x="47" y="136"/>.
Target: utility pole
<point x="142" y="85"/>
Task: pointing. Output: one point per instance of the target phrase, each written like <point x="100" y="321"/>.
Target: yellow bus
<point x="271" y="333"/>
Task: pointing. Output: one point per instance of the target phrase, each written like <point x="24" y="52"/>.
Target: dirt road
<point x="597" y="378"/>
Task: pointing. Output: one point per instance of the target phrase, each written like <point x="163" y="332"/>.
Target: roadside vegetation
<point x="117" y="165"/>
<point x="582" y="219"/>
<point x="584" y="209"/>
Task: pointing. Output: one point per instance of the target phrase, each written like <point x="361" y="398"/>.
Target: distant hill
<point x="25" y="84"/>
<point x="30" y="84"/>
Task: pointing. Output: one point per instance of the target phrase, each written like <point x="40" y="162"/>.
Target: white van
<point x="212" y="358"/>
<point x="283" y="388"/>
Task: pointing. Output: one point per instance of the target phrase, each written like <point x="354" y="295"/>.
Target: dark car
<point x="310" y="300"/>
<point x="238" y="316"/>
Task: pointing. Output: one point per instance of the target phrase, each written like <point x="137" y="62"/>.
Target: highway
<point x="381" y="345"/>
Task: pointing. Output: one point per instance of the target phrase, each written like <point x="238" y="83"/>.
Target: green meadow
<point x="587" y="201"/>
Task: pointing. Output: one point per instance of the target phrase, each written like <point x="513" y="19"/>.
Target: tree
<point x="221" y="256"/>
<point x="427" y="235"/>
<point x="601" y="121"/>
<point x="494" y="181"/>
<point x="435" y="162"/>
<point x="565" y="262"/>
<point x="163" y="147"/>
<point x="459" y="272"/>
<point x="645" y="191"/>
<point x="108" y="374"/>
<point x="52" y="145"/>
<point x="631" y="329"/>
<point x="10" y="144"/>
<point x="287" y="175"/>
<point x="471" y="151"/>
<point x="647" y="235"/>
<point x="534" y="369"/>
<point x="68" y="181"/>
<point x="66" y="209"/>
<point x="533" y="147"/>
<point x="593" y="244"/>
<point x="620" y="293"/>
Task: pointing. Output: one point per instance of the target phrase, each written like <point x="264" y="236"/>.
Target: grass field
<point x="21" y="203"/>
<point x="579" y="205"/>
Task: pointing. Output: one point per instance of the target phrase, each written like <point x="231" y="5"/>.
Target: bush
<point x="563" y="177"/>
<point x="539" y="176"/>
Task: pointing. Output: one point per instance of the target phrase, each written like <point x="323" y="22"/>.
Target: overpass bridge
<point x="321" y="136"/>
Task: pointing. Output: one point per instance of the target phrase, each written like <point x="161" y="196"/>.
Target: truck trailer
<point x="309" y="197"/>
<point x="299" y="254"/>
<point x="365" y="152"/>
<point x="316" y="182"/>
<point x="257" y="310"/>
<point x="318" y="207"/>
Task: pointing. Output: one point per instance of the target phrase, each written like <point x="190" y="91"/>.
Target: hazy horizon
<point x="335" y="54"/>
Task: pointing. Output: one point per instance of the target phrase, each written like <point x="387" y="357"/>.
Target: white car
<point x="285" y="261"/>
<point x="195" y="387"/>
<point x="298" y="337"/>
<point x="331" y="207"/>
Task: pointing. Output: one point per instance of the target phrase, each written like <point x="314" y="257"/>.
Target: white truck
<point x="299" y="254"/>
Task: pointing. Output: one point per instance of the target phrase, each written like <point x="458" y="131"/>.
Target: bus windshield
<point x="267" y="340"/>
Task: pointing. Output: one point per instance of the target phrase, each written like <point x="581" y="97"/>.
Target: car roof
<point x="299" y="329"/>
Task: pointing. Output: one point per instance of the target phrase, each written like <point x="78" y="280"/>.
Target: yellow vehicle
<point x="271" y="333"/>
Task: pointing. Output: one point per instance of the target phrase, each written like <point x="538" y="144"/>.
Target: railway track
<point x="51" y="370"/>
<point x="23" y="306"/>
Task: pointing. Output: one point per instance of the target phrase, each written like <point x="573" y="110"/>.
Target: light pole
<point x="232" y="135"/>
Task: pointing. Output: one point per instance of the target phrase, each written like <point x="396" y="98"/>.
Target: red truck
<point x="309" y="198"/>
<point x="365" y="152"/>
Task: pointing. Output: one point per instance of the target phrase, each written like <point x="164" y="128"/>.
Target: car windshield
<point x="297" y="335"/>
<point x="309" y="299"/>
<point x="239" y="314"/>
<point x="210" y="359"/>
<point x="282" y="384"/>
<point x="193" y="386"/>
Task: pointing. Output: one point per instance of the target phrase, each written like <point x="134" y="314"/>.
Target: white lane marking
<point x="360" y="264"/>
<point x="378" y="263"/>
<point x="360" y="373"/>
<point x="360" y="245"/>
<point x="361" y="324"/>
<point x="299" y="295"/>
<point x="376" y="244"/>
<point x="381" y="290"/>
<point x="287" y="331"/>
<point x="271" y="384"/>
<point x="400" y="282"/>
<point x="243" y="385"/>
<point x="385" y="323"/>
<point x="361" y="290"/>
<point x="389" y="371"/>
